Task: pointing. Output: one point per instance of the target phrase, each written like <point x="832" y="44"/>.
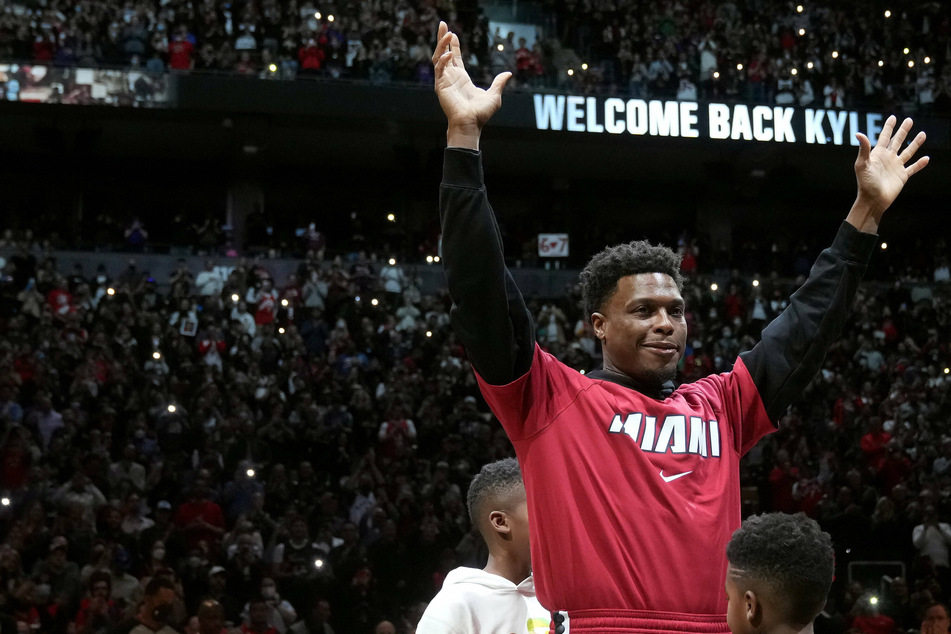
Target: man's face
<point x="736" y="606"/>
<point x="642" y="327"/>
<point x="257" y="614"/>
<point x="936" y="621"/>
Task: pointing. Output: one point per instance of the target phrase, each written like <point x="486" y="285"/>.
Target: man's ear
<point x="499" y="521"/>
<point x="754" y="609"/>
<point x="598" y="322"/>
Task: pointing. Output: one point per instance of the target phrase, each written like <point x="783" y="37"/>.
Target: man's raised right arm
<point x="488" y="311"/>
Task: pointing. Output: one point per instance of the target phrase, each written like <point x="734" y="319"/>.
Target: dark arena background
<point x="225" y="352"/>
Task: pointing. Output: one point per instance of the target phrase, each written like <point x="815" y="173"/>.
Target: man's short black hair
<point x="495" y="481"/>
<point x="791" y="556"/>
<point x="600" y="276"/>
<point x="158" y="583"/>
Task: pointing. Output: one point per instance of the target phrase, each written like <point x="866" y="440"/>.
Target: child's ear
<point x="754" y="609"/>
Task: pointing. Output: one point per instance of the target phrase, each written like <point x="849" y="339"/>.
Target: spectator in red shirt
<point x="874" y="443"/>
<point x="257" y="618"/>
<point x="310" y="57"/>
<point x="180" y="51"/>
<point x="200" y="519"/>
<point x="523" y="62"/>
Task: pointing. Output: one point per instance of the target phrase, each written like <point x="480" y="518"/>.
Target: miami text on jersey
<point x="674" y="435"/>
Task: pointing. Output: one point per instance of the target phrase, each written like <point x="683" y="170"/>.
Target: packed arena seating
<point x="313" y="437"/>
<point x="892" y="57"/>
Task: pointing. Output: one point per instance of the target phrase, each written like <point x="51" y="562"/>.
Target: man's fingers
<point x="498" y="84"/>
<point x="865" y="147"/>
<point x="886" y="134"/>
<point x="456" y="52"/>
<point x="899" y="138"/>
<point x="909" y="151"/>
<point x="917" y="166"/>
<point x="442" y="45"/>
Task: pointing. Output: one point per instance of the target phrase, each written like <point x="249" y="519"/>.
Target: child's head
<point x="497" y="506"/>
<point x="780" y="569"/>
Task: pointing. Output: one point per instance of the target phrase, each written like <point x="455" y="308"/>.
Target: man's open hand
<point x="880" y="172"/>
<point x="467" y="106"/>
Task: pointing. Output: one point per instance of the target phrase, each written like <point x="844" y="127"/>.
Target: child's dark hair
<point x="497" y="480"/>
<point x="791" y="556"/>
<point x="600" y="276"/>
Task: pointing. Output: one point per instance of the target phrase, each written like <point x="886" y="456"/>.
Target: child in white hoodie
<point x="501" y="596"/>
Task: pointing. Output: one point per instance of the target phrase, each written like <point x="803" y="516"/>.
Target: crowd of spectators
<point x="892" y="57"/>
<point x="299" y="449"/>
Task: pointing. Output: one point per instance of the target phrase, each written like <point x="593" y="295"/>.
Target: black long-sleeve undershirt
<point x="491" y="319"/>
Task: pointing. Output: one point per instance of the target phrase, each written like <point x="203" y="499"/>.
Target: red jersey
<point x="180" y="54"/>
<point x="652" y="487"/>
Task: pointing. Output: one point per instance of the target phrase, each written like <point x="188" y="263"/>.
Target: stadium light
<point x="584" y="67"/>
<point x="571" y="72"/>
<point x="835" y="54"/>
<point x="888" y="13"/>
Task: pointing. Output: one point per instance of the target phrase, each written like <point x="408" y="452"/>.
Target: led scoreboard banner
<point x="693" y="120"/>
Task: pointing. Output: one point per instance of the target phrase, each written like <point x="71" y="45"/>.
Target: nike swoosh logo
<point x="673" y="477"/>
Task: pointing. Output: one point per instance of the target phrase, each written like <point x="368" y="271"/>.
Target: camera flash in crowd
<point x="436" y="259"/>
<point x="835" y="54"/>
<point x="250" y="473"/>
<point x="884" y="245"/>
<point x="317" y="15"/>
<point x="911" y="63"/>
<point x="927" y="60"/>
<point x="716" y="74"/>
<point x="501" y="48"/>
<point x="429" y="259"/>
<point x="802" y="31"/>
<point x="798" y="8"/>
<point x="5" y="501"/>
<point x="947" y="370"/>
<point x="284" y="303"/>
<point x="356" y="299"/>
<point x="171" y="409"/>
<point x="110" y="291"/>
<point x="794" y="72"/>
<point x="234" y="298"/>
<point x="272" y="68"/>
<point x="280" y="330"/>
<point x="739" y="67"/>
<point x="318" y="563"/>
<point x="571" y="72"/>
<point x="755" y="282"/>
<point x="714" y="286"/>
<point x="391" y="217"/>
<point x="584" y="67"/>
<point x="392" y="261"/>
<point x="888" y="13"/>
<point x="873" y="600"/>
<point x="330" y="18"/>
<point x="881" y="63"/>
<point x="906" y="50"/>
<point x="156" y="355"/>
<point x="429" y="333"/>
<point x="374" y="301"/>
<point x="810" y="65"/>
